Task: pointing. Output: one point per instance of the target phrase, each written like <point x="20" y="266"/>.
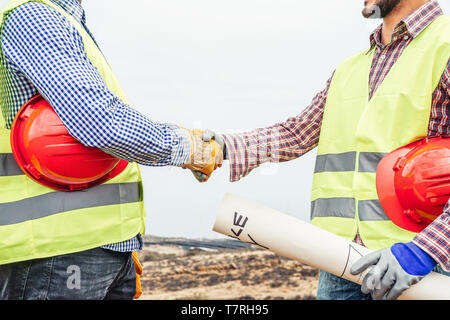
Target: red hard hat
<point x="48" y="154"/>
<point x="413" y="182"/>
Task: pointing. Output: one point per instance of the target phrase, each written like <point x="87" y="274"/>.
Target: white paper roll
<point x="292" y="238"/>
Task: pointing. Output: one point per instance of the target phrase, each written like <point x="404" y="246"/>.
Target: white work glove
<point x="394" y="270"/>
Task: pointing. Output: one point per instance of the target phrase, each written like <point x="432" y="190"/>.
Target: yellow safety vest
<point x="357" y="132"/>
<point x="39" y="222"/>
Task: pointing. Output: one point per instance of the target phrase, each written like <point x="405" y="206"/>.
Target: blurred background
<point x="230" y="66"/>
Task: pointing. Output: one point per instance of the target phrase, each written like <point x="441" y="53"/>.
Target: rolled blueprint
<point x="292" y="238"/>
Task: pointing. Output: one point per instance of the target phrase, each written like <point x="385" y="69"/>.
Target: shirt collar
<point x="411" y="25"/>
<point x="72" y="7"/>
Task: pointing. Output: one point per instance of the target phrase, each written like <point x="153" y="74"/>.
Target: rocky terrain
<point x="221" y="269"/>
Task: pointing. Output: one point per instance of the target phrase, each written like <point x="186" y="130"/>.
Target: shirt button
<point x="405" y="37"/>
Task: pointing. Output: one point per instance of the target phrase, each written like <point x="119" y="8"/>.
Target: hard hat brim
<point x="29" y="163"/>
<point x="387" y="194"/>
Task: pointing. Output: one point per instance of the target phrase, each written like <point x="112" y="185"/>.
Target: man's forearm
<point x="249" y="150"/>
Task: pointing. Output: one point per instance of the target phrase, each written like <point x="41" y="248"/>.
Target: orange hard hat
<point x="413" y="182"/>
<point x="48" y="154"/>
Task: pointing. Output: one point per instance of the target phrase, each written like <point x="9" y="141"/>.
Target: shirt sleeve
<point x="278" y="143"/>
<point x="43" y="46"/>
<point x="440" y="106"/>
<point x="435" y="239"/>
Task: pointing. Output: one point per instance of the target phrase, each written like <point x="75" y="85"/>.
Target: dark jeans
<point x="332" y="287"/>
<point x="93" y="274"/>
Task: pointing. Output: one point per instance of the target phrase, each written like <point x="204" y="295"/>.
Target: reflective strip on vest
<point x="368" y="162"/>
<point x="368" y="210"/>
<point x="335" y="162"/>
<point x="57" y="202"/>
<point x="333" y="207"/>
<point x="371" y="210"/>
<point x="9" y="166"/>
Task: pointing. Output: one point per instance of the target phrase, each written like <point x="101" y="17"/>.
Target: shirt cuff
<point x="237" y="155"/>
<point x="435" y="240"/>
<point x="181" y="147"/>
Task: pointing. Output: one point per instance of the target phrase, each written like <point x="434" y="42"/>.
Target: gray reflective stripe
<point x="368" y="210"/>
<point x="57" y="202"/>
<point x="333" y="207"/>
<point x="368" y="161"/>
<point x="335" y="162"/>
<point x="371" y="210"/>
<point x="9" y="166"/>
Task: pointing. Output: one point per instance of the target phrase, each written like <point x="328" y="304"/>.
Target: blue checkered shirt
<point x="44" y="53"/>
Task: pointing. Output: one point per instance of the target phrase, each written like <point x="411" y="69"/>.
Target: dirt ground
<point x="171" y="272"/>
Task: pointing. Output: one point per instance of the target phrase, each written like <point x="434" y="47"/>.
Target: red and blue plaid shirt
<point x="298" y="135"/>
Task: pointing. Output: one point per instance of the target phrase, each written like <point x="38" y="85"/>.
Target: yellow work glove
<point x="207" y="136"/>
<point x="206" y="156"/>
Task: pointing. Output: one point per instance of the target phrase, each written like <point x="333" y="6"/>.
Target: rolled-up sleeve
<point x="435" y="239"/>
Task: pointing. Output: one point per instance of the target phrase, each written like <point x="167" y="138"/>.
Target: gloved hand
<point x="205" y="156"/>
<point x="207" y="136"/>
<point x="394" y="270"/>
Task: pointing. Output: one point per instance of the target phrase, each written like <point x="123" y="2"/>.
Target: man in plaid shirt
<point x="403" y="21"/>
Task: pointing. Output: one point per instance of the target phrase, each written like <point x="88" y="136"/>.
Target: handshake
<point x="207" y="153"/>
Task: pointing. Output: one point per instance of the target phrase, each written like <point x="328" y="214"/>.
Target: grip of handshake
<point x="207" y="153"/>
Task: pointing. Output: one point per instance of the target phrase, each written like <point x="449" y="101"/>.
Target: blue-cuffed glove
<point x="394" y="270"/>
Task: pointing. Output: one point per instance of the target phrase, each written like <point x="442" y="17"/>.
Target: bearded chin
<point x="380" y="9"/>
<point x="372" y="12"/>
